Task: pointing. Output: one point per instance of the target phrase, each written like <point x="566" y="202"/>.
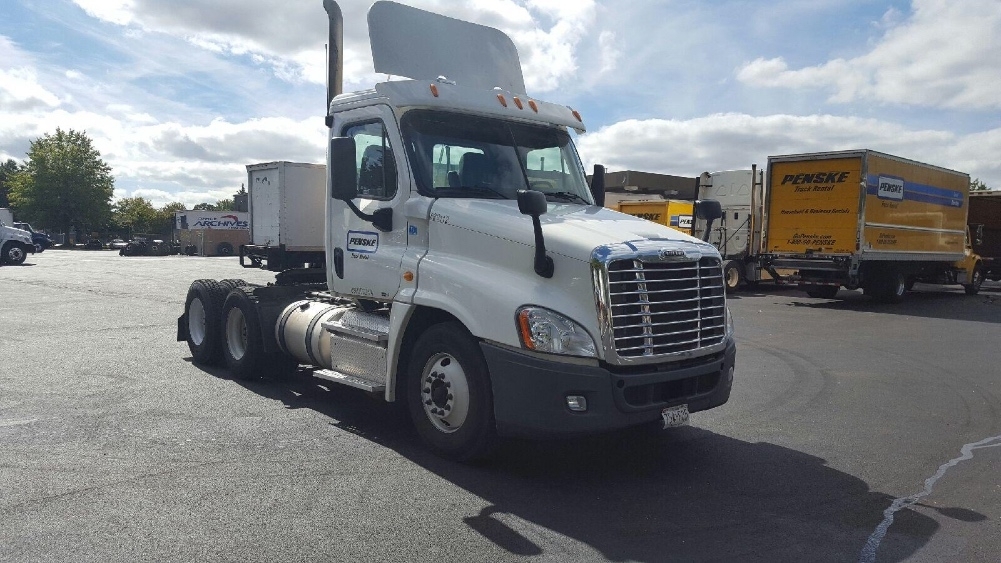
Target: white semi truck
<point x="470" y="271"/>
<point x="737" y="234"/>
<point x="15" y="244"/>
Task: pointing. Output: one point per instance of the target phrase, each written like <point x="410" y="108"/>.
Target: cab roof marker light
<point x="434" y="90"/>
<point x="576" y="114"/>
<point x="533" y="105"/>
<point x="517" y="102"/>
<point x="500" y="98"/>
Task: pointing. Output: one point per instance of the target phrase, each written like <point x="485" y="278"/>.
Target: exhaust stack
<point x="335" y="55"/>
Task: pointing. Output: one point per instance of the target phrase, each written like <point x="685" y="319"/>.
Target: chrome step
<point x="349" y="380"/>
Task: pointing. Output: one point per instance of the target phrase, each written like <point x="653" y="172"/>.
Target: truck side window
<point x="375" y="160"/>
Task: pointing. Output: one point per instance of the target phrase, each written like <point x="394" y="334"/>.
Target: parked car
<point x="117" y="244"/>
<point x="40" y="240"/>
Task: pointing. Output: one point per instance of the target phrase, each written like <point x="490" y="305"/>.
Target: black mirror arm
<point x="382" y="219"/>
<point x="543" y="264"/>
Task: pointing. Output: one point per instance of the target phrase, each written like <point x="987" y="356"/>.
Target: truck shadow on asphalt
<point x="686" y="494"/>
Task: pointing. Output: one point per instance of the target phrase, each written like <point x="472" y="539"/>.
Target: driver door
<point x="365" y="262"/>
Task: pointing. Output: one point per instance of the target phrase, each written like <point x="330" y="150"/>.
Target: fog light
<point x="577" y="403"/>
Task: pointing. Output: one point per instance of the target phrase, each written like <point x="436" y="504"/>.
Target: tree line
<point x="65" y="186"/>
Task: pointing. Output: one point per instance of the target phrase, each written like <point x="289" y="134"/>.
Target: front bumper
<point x="530" y="393"/>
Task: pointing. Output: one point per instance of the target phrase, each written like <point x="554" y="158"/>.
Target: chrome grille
<point x="666" y="307"/>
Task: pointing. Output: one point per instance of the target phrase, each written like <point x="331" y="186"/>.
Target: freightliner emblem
<point x="689" y="254"/>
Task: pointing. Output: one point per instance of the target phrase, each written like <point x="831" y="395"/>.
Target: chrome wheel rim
<point x="445" y="393"/>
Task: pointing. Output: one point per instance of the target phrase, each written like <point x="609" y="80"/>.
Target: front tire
<point x="973" y="287"/>
<point x="14" y="254"/>
<point x="203" y="307"/>
<point x="448" y="393"/>
<point x="733" y="275"/>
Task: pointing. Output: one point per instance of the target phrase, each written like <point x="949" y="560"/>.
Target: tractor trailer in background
<point x="737" y="234"/>
<point x="985" y="228"/>
<point x="865" y="219"/>
<point x="468" y="271"/>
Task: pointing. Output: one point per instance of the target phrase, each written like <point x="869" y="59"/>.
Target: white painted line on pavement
<point x="868" y="554"/>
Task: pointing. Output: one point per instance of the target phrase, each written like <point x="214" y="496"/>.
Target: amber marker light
<point x="577" y="115"/>
<point x="517" y="102"/>
<point x="500" y="98"/>
<point x="408" y="276"/>
<point x="533" y="105"/>
<point x="526" y="330"/>
<point x="434" y="90"/>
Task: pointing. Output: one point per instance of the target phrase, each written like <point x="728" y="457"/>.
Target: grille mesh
<point x="666" y="307"/>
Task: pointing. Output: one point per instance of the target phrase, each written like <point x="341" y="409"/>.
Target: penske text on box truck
<point x="868" y="219"/>
<point x="469" y="270"/>
<point x="672" y="213"/>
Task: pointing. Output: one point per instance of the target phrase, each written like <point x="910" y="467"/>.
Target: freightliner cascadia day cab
<point x="470" y="272"/>
<point x="737" y="234"/>
<point x="867" y="219"/>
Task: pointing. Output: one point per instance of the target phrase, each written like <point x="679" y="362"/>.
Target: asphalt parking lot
<point x="856" y="432"/>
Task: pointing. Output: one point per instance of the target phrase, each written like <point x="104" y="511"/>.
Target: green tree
<point x="204" y="207"/>
<point x="7" y="170"/>
<point x="225" y="205"/>
<point x="134" y="215"/>
<point x="165" y="217"/>
<point x="977" y="186"/>
<point x="64" y="183"/>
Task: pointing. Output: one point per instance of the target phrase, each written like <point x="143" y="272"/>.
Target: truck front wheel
<point x="973" y="287"/>
<point x="448" y="393"/>
<point x="202" y="308"/>
<point x="733" y="275"/>
<point x="14" y="253"/>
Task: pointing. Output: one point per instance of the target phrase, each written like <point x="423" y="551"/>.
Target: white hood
<point x="570" y="229"/>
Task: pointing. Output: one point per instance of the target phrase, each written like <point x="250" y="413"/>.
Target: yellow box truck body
<point x="673" y="213"/>
<point x="867" y="219"/>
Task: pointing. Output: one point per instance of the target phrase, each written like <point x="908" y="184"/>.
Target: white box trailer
<point x="287" y="202"/>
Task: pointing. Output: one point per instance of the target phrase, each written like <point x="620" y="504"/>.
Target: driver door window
<point x="375" y="161"/>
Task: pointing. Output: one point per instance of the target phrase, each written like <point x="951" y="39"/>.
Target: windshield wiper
<point x="568" y="196"/>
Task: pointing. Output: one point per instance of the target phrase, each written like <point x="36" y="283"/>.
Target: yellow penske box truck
<point x="865" y="219"/>
<point x="672" y="213"/>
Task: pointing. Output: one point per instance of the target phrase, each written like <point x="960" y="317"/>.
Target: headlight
<point x="543" y="330"/>
<point x="729" y="324"/>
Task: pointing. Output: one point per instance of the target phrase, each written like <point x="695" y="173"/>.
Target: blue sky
<point x="179" y="96"/>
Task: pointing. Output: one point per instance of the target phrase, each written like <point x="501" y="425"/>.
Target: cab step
<point x="349" y="380"/>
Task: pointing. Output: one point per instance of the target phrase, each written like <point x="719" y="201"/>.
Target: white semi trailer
<point x="470" y="271"/>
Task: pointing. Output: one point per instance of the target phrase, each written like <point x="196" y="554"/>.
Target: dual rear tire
<point x="224" y="329"/>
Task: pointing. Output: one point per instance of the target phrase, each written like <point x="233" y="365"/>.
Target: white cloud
<point x="944" y="55"/>
<point x="289" y="39"/>
<point x="733" y="141"/>
<point x="20" y="91"/>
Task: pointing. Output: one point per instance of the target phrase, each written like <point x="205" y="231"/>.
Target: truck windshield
<point x="458" y="155"/>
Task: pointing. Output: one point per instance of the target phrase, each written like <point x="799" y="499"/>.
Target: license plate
<point x="675" y="416"/>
